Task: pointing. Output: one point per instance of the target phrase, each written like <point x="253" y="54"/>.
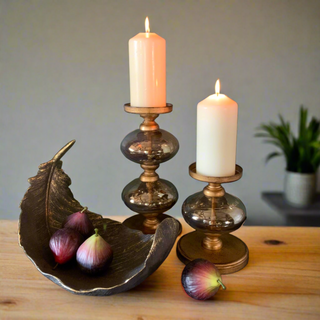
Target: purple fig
<point x="64" y="244"/>
<point x="80" y="222"/>
<point x="95" y="254"/>
<point x="201" y="279"/>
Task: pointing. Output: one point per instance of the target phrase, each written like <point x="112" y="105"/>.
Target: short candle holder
<point x="149" y="146"/>
<point x="214" y="214"/>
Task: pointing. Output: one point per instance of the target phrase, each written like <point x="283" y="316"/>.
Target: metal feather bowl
<point x="44" y="208"/>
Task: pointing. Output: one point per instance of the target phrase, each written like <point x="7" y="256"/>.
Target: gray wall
<point x="64" y="75"/>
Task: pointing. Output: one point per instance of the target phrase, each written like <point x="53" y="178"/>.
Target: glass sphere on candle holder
<point x="149" y="198"/>
<point x="155" y="146"/>
<point x="211" y="215"/>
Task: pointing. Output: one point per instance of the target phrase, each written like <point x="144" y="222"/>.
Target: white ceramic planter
<point x="299" y="188"/>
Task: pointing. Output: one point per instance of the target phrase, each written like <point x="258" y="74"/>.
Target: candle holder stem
<point x="214" y="190"/>
<point x="213" y="214"/>
<point x="149" y="175"/>
<point x="212" y="242"/>
<point x="149" y="123"/>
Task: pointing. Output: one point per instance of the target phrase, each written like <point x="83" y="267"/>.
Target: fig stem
<point x="84" y="209"/>
<point x="221" y="284"/>
<point x="55" y="266"/>
<point x="96" y="231"/>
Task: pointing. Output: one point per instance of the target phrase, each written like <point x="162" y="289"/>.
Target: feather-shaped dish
<point x="45" y="207"/>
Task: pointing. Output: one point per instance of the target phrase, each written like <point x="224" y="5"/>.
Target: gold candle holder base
<point x="231" y="257"/>
<point x="149" y="146"/>
<point x="214" y="214"/>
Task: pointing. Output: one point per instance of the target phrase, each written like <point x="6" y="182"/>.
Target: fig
<point x="95" y="254"/>
<point x="80" y="222"/>
<point x="64" y="244"/>
<point x="201" y="279"/>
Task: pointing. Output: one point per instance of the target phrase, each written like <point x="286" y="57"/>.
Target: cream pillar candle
<point x="217" y="117"/>
<point x="147" y="63"/>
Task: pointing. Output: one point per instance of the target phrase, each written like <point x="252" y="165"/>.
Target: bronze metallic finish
<point x="44" y="208"/>
<point x="214" y="190"/>
<point x="149" y="123"/>
<point x="232" y="257"/>
<point x="148" y="221"/>
<point x="147" y="110"/>
<point x="149" y="174"/>
<point x="212" y="242"/>
<point x="193" y="173"/>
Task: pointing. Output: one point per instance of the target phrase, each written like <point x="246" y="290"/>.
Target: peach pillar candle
<point x="147" y="63"/>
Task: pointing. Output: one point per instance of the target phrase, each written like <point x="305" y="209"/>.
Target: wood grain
<point x="281" y="281"/>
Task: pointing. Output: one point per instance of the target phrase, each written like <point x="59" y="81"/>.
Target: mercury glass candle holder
<point x="149" y="146"/>
<point x="213" y="213"/>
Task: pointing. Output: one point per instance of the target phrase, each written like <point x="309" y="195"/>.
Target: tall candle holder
<point x="149" y="146"/>
<point x="214" y="214"/>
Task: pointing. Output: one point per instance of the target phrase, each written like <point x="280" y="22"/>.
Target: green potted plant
<point x="302" y="155"/>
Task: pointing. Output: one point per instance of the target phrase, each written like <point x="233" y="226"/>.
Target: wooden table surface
<point x="280" y="282"/>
